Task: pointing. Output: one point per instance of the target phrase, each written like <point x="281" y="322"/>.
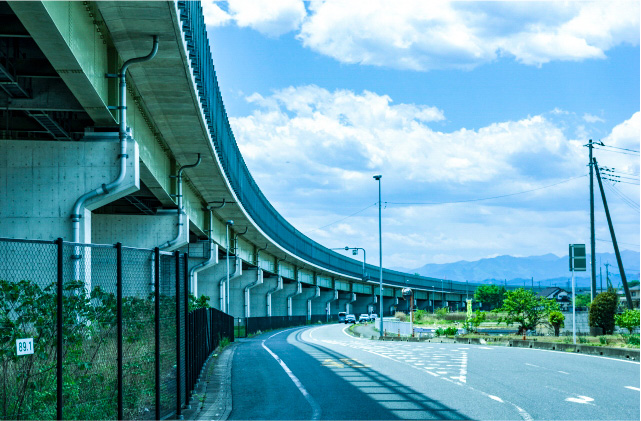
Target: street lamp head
<point x="378" y="177"/>
<point x="230" y="222"/>
<point x="346" y="248"/>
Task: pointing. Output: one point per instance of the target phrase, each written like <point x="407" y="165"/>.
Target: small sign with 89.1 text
<point x="24" y="346"/>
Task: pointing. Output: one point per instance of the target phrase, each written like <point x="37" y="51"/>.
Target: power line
<point x="628" y="201"/>
<point x="487" y="198"/>
<point x="620" y="152"/>
<point x="342" y="219"/>
<point x="610" y="241"/>
<point x="614" y="147"/>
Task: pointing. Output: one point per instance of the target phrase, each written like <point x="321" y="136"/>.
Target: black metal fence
<point x="99" y="332"/>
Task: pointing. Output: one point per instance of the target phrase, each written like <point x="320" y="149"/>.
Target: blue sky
<point x="451" y="103"/>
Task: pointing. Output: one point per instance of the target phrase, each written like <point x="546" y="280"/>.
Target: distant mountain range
<point x="547" y="270"/>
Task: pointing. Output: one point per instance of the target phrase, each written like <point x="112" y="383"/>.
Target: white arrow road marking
<point x="580" y="399"/>
<point x="633" y="388"/>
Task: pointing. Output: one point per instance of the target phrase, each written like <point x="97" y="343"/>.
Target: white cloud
<point x="421" y="35"/>
<point x="313" y="153"/>
<point x="272" y="18"/>
<point x="592" y="118"/>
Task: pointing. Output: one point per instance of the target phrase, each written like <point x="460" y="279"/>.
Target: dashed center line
<point x="633" y="388"/>
<point x="496" y="398"/>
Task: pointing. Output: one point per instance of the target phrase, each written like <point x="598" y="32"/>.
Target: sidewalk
<point x="211" y="399"/>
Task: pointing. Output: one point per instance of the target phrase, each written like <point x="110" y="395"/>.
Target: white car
<point x="373" y="316"/>
<point x="363" y="318"/>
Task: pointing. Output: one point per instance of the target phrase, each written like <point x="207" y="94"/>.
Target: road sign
<point x="578" y="258"/>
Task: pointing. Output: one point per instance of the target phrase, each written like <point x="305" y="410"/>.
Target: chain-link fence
<point x="99" y="332"/>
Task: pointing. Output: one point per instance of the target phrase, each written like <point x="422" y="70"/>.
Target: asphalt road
<point x="323" y="373"/>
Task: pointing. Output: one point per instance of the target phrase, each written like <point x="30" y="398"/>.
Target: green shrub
<point x="439" y="332"/>
<point x="450" y="331"/>
<point x="602" y="311"/>
<point x="631" y="339"/>
<point x="442" y="312"/>
<point x="583" y="340"/>
<point x="472" y="324"/>
<point x="628" y="320"/>
<point x="420" y="315"/>
<point x="603" y="340"/>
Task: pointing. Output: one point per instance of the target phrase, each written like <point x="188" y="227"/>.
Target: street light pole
<point x="228" y="224"/>
<point x="380" y="253"/>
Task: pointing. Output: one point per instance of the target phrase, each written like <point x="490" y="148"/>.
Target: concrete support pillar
<point x="258" y="296"/>
<point x="315" y="293"/>
<point x="372" y="306"/>
<point x="350" y="299"/>
<point x="212" y="281"/>
<point x="320" y="305"/>
<point x="237" y="307"/>
<point x="207" y="263"/>
<point x="328" y="303"/>
<point x="298" y="291"/>
<point x="258" y="279"/>
<point x="389" y="305"/>
<point x="279" y="298"/>
<point x="268" y="295"/>
<point x="361" y="303"/>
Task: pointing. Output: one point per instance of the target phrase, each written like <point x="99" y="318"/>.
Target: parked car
<point x="363" y="318"/>
<point x="350" y="318"/>
<point x="341" y="317"/>
<point x="373" y="316"/>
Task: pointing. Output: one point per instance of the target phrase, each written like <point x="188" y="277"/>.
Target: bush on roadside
<point x="450" y="331"/>
<point x="602" y="311"/>
<point x="603" y="340"/>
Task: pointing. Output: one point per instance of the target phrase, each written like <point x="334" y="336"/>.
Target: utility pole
<point x="600" y="276"/>
<point x="607" y="275"/>
<point x="592" y="239"/>
<point x="624" y="281"/>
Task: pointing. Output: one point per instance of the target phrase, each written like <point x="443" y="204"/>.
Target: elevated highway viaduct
<point x="163" y="172"/>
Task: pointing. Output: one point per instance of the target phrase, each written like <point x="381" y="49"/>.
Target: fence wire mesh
<point x="28" y="310"/>
<point x="87" y="385"/>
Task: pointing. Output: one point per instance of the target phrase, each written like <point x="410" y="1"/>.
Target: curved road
<point x="324" y="373"/>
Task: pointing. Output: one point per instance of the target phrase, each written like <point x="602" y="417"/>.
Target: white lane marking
<point x="633" y="388"/>
<point x="316" y="411"/>
<point x="580" y="399"/>
<point x="532" y="365"/>
<point x="484" y="347"/>
<point x="563" y="372"/>
<point x="496" y="398"/>
<point x="523" y="413"/>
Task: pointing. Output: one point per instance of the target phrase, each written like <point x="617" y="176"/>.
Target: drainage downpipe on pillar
<point x="181" y="212"/>
<point x="299" y="290"/>
<point x="258" y="281"/>
<point x="328" y="303"/>
<point x="309" y="303"/>
<point x="223" y="284"/>
<point x="211" y="260"/>
<point x="79" y="206"/>
<point x="122" y="135"/>
<point x="279" y="286"/>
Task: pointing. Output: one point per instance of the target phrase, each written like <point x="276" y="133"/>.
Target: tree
<point x="556" y="319"/>
<point x="628" y="320"/>
<point x="527" y="309"/>
<point x="603" y="309"/>
<point x="490" y="295"/>
<point x="582" y="300"/>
